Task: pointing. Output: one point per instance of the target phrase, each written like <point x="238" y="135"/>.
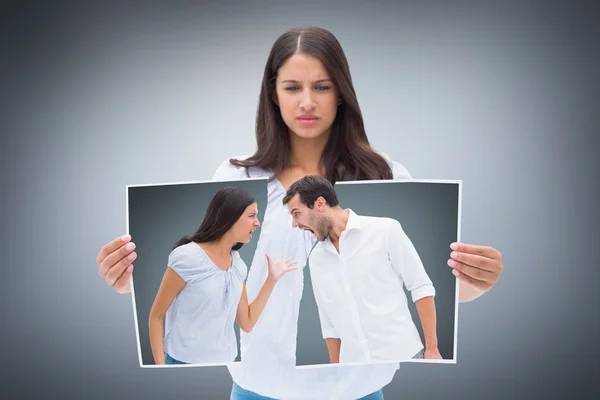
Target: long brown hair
<point x="347" y="154"/>
<point x="225" y="208"/>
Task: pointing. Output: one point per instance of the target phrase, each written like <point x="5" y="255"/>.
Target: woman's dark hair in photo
<point x="225" y="208"/>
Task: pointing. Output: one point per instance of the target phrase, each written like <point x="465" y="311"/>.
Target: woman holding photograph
<point x="308" y="123"/>
<point x="203" y="291"/>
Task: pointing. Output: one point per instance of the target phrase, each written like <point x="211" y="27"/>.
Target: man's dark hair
<point x="310" y="188"/>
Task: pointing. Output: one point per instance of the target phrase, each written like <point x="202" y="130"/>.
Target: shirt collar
<point x="353" y="220"/>
<point x="352" y="223"/>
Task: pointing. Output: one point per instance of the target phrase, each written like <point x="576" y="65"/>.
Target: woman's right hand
<point x="279" y="268"/>
<point x="115" y="260"/>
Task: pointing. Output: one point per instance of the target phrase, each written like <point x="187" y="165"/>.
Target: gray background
<point x="501" y="94"/>
<point x="428" y="213"/>
<point x="161" y="215"/>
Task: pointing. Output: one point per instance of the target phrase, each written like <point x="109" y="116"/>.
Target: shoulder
<point x="184" y="254"/>
<point x="386" y="222"/>
<point x="398" y="170"/>
<point x="239" y="265"/>
<point x="227" y="171"/>
<point x="188" y="259"/>
<point x="384" y="230"/>
<point x="393" y="228"/>
<point x="380" y="224"/>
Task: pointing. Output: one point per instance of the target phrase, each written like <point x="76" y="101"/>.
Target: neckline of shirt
<point x="213" y="265"/>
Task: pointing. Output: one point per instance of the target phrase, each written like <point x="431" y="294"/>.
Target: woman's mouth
<point x="307" y="119"/>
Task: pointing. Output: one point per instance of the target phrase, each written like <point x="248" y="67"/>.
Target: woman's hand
<point x="115" y="262"/>
<point x="279" y="268"/>
<point x="477" y="267"/>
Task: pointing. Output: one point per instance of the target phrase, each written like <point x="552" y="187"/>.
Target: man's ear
<point x="320" y="203"/>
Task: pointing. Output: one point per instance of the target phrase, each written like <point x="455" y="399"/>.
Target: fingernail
<point x="131" y="256"/>
<point x="455" y="272"/>
<point x="454" y="246"/>
<point x="454" y="254"/>
<point x="130" y="268"/>
<point x="125" y="238"/>
<point x="130" y="247"/>
<point x="452" y="263"/>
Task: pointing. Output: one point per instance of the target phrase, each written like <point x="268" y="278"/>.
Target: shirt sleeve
<point x="407" y="263"/>
<point x="240" y="266"/>
<point x="190" y="266"/>
<point x="327" y="328"/>
<point x="227" y="171"/>
<point x="399" y="172"/>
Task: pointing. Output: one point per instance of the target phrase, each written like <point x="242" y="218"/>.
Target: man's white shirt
<point x="359" y="291"/>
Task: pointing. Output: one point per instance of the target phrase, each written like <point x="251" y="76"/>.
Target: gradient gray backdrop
<point x="428" y="213"/>
<point x="161" y="215"/>
<point x="501" y="94"/>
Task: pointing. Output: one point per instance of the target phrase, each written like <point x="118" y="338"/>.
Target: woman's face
<point x="244" y="227"/>
<point x="306" y="97"/>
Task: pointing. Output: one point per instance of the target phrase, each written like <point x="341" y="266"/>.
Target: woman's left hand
<point x="279" y="268"/>
<point x="478" y="267"/>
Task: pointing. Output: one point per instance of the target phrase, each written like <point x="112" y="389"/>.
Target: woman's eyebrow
<point x="295" y="81"/>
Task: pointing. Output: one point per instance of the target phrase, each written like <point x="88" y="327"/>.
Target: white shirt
<point x="199" y="325"/>
<point x="359" y="291"/>
<point x="268" y="359"/>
